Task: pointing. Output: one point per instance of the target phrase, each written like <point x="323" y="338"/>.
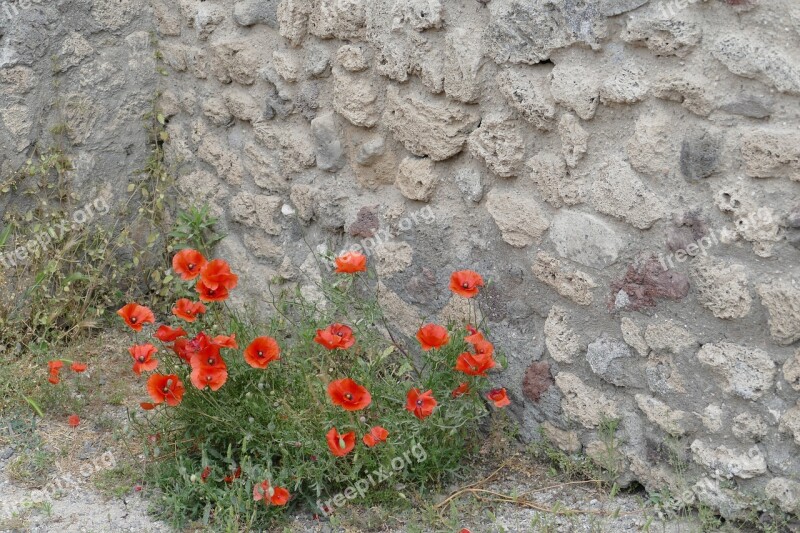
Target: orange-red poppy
<point x="483" y="347"/>
<point x="261" y="352"/>
<point x="136" y="316"/>
<point x="420" y="403"/>
<point x="188" y="310"/>
<point x="499" y="397"/>
<point x="54" y="368"/>
<point x="165" y="388"/>
<point x="186" y="348"/>
<point x="461" y="390"/>
<point x="236" y="474"/>
<point x="335" y="336"/>
<point x="164" y="333"/>
<point x="78" y="367"/>
<point x="466" y="283"/>
<point x="351" y="262"/>
<point x="226" y="341"/>
<point x="216" y="274"/>
<point x="375" y="436"/>
<point x="73" y="420"/>
<point x="474" y="335"/>
<point x="207" y="294"/>
<point x="273" y="495"/>
<point x="147" y="406"/>
<point x="208" y="368"/>
<point x="205" y="473"/>
<point x="340" y="445"/>
<point x="474" y="364"/>
<point x="188" y="263"/>
<point x="143" y="357"/>
<point x="432" y="336"/>
<point x="348" y="394"/>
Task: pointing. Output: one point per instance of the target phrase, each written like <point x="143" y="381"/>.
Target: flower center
<point x="419" y="403"/>
<point x="260" y="353"/>
<point x="133" y="320"/>
<point x="465" y="285"/>
<point x="190" y="266"/>
<point x="210" y="361"/>
<point x="141" y="359"/>
<point x="348" y="396"/>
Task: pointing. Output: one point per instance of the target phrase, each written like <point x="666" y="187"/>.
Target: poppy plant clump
<point x="322" y="391"/>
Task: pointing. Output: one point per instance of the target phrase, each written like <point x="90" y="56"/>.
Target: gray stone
<point x="612" y="360"/>
<point x="744" y="464"/>
<point x="585" y="239"/>
<point x="746" y="372"/>
<point x="782" y="300"/>
<point x="662" y="36"/>
<point x="371" y="151"/>
<point x="700" y="155"/>
<point x="786" y="492"/>
<point x="251" y="12"/>
<point x="746" y="56"/>
<point x="327" y="135"/>
<point x="522" y="221"/>
<point x="470" y="183"/>
<point x="748" y="106"/>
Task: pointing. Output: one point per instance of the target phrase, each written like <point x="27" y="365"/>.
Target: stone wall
<point x="626" y="173"/>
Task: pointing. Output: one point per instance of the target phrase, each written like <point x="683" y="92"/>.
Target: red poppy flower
<point x="432" y="336"/>
<point x="136" y="316"/>
<point x="188" y="263"/>
<point x="205" y="473"/>
<point x="348" y="394"/>
<point x="164" y="333"/>
<point x="461" y="390"/>
<point x="499" y="397"/>
<point x="73" y="420"/>
<point x="483" y="348"/>
<point x="188" y="310"/>
<point x="465" y="283"/>
<point x="216" y="274"/>
<point x="420" y="403"/>
<point x="474" y="365"/>
<point x="78" y="367"/>
<point x="207" y="294"/>
<point x="273" y="495"/>
<point x="261" y="352"/>
<point x="208" y="368"/>
<point x="226" y="341"/>
<point x="147" y="406"/>
<point x="335" y="336"/>
<point x="340" y="445"/>
<point x="375" y="436"/>
<point x="351" y="262"/>
<point x="474" y="335"/>
<point x="186" y="348"/>
<point x="54" y="367"/>
<point x="165" y="388"/>
<point x="236" y="474"/>
<point x="143" y="358"/>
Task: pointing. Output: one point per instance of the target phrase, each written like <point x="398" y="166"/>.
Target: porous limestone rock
<point x="436" y="129"/>
<point x="746" y="56"/>
<point x="572" y="284"/>
<point x="782" y="300"/>
<point x="587" y="405"/>
<point x="416" y="178"/>
<point x="749" y="427"/>
<point x="355" y="97"/>
<point x="771" y="153"/>
<point x="576" y="88"/>
<point x="721" y="288"/>
<point x="574" y="139"/>
<point x="549" y="175"/>
<point x="257" y="210"/>
<point x="791" y="371"/>
<point x="528" y="91"/>
<point x="463" y="61"/>
<point x="563" y="344"/>
<point x="667" y="336"/>
<point x="618" y="191"/>
<point x="566" y="441"/>
<point x="499" y="143"/>
<point x="675" y="422"/>
<point x="521" y="220"/>
<point x="784" y="491"/>
<point x="664" y="37"/>
<point x="585" y="239"/>
<point x="632" y="335"/>
<point x="612" y="360"/>
<point x="745" y="372"/>
<point x="744" y="464"/>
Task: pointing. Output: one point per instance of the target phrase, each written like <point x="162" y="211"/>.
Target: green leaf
<point x="34" y="405"/>
<point x="161" y="119"/>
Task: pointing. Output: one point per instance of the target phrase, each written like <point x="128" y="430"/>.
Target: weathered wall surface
<point x="627" y="173"/>
<point x="79" y="74"/>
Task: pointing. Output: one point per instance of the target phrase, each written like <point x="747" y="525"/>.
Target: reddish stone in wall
<point x="537" y="380"/>
<point x="648" y="281"/>
<point x="365" y="224"/>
